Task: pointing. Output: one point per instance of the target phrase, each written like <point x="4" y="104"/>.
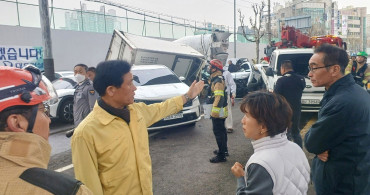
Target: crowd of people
<point x="110" y="146"/>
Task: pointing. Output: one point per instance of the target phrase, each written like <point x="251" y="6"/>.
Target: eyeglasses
<point x="45" y="108"/>
<point x="313" y="69"/>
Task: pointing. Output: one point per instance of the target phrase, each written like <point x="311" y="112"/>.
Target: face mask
<point x="80" y="78"/>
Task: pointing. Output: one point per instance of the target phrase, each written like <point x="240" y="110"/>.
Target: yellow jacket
<point x="21" y="151"/>
<point x="365" y="77"/>
<point x="111" y="157"/>
<point x="218" y="89"/>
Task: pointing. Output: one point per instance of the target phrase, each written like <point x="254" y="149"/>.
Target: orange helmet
<point x="216" y="64"/>
<point x="23" y="87"/>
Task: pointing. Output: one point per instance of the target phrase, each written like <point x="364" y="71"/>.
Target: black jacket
<point x="342" y="128"/>
<point x="291" y="86"/>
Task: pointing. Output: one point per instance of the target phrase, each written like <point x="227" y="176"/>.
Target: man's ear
<point x="16" y="123"/>
<point x="336" y="70"/>
<point x="110" y="90"/>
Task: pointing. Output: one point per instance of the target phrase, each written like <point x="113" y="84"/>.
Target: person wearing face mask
<point x="84" y="96"/>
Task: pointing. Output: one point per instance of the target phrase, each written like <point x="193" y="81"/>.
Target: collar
<point x="121" y="113"/>
<point x="217" y="73"/>
<point x="270" y="142"/>
<point x="347" y="80"/>
<point x="85" y="82"/>
<point x="289" y="72"/>
<point x="105" y="117"/>
<point x="25" y="149"/>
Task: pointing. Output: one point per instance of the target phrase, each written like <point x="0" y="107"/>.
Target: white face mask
<point x="80" y="78"/>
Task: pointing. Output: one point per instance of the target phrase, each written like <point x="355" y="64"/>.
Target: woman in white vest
<point x="278" y="166"/>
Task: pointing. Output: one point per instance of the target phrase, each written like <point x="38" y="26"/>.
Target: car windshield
<point x="299" y="61"/>
<point x="64" y="83"/>
<point x="154" y="77"/>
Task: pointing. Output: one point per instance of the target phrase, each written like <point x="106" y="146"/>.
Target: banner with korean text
<point x="20" y="56"/>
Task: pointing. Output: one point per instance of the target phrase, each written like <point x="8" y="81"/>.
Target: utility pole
<point x="235" y="28"/>
<point x="46" y="39"/>
<point x="269" y="20"/>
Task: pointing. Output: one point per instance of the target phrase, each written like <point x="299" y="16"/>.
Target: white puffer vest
<point x="284" y="161"/>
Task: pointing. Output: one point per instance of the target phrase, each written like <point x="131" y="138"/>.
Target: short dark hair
<point x="269" y="109"/>
<point x="287" y="64"/>
<point x="110" y="73"/>
<point x="23" y="110"/>
<point x="82" y="65"/>
<point x="333" y="55"/>
<point x="92" y="69"/>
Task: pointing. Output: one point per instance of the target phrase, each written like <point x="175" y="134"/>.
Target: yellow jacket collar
<point x="104" y="117"/>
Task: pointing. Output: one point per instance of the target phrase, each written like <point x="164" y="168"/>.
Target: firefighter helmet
<point x="216" y="64"/>
<point x="362" y="53"/>
<point x="23" y="87"/>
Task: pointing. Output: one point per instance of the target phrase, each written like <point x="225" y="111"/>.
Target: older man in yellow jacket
<point x="110" y="147"/>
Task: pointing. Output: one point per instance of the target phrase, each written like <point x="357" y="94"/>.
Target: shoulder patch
<point x="91" y="92"/>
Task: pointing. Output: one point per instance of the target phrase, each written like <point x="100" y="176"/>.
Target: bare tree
<point x="256" y="26"/>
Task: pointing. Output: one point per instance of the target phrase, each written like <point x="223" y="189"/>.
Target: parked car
<point x="63" y="109"/>
<point x="60" y="74"/>
<point x="247" y="78"/>
<point x="300" y="57"/>
<point x="156" y="83"/>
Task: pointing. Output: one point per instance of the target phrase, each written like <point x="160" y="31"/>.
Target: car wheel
<point x="66" y="111"/>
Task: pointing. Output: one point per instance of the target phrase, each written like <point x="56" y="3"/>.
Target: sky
<point x="216" y="11"/>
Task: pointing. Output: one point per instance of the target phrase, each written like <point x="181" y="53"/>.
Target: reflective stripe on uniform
<point x="216" y="109"/>
<point x="364" y="81"/>
<point x="219" y="92"/>
<point x="226" y="113"/>
<point x="367" y="74"/>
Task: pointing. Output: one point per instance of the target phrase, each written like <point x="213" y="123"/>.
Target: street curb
<point x="63" y="129"/>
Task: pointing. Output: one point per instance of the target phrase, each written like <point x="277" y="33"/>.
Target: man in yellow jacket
<point x="110" y="147"/>
<point x="24" y="131"/>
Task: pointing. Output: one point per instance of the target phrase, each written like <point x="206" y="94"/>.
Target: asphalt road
<point x="180" y="157"/>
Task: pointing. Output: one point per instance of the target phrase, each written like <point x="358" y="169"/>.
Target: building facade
<point x="353" y="28"/>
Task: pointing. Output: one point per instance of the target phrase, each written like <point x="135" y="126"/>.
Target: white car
<point x="156" y="83"/>
<point x="247" y="79"/>
<point x="63" y="73"/>
<point x="63" y="109"/>
<point x="299" y="57"/>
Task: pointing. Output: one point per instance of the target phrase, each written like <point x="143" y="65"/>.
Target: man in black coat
<point x="291" y="86"/>
<point x="340" y="138"/>
<point x="233" y="67"/>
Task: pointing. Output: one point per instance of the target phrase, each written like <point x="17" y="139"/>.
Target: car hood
<point x="311" y="89"/>
<point x="160" y="92"/>
<point x="65" y="92"/>
<point x="240" y="75"/>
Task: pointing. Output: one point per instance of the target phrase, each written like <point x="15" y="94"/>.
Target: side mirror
<point x="269" y="72"/>
<point x="182" y="78"/>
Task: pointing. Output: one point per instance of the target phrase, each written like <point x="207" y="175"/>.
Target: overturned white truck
<point x="182" y="59"/>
